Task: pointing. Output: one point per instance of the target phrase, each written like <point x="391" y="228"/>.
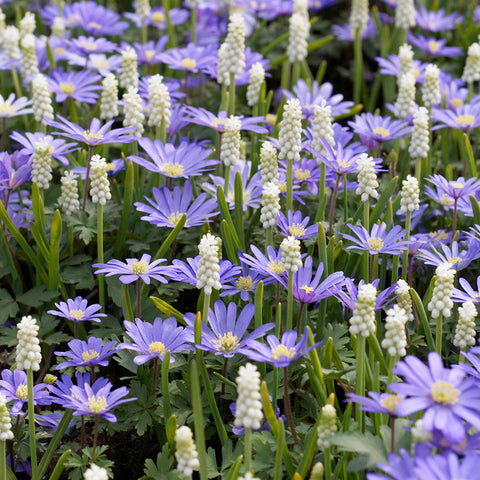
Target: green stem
<point x="3" y="460"/>
<point x="408" y="223"/>
<point x="101" y="279"/>
<point x="231" y="95"/>
<point x="438" y="337"/>
<point x="193" y="23"/>
<point x="289" y="184"/>
<point x="31" y="424"/>
<point x="327" y="464"/>
<point x="288" y="408"/>
<point x="366" y="224"/>
<point x="206" y="307"/>
<point x="358" y="60"/>
<point x="295" y="73"/>
<point x="290" y="301"/>
<point x="248" y="450"/>
<point x="165" y="390"/>
<point x="360" y="387"/>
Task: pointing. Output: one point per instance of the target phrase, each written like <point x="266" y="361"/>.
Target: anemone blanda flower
<point x="98" y="62"/>
<point x="270" y="267"/>
<point x="245" y="283"/>
<point x="133" y="269"/>
<point x="378" y="402"/>
<point x="59" y="148"/>
<point x="449" y="191"/>
<point x="14" y="386"/>
<point x="153" y="341"/>
<point x="87" y="354"/>
<point x="87" y="45"/>
<point x="225" y="333"/>
<point x="434" y="47"/>
<point x="454" y="92"/>
<point x="376" y="129"/>
<point x="436" y="20"/>
<point x="148" y="53"/>
<point x="167" y="207"/>
<point x="80" y="86"/>
<point x="465" y="117"/>
<point x="468" y="293"/>
<point x="280" y="352"/>
<point x="185" y="160"/>
<point x="447" y="466"/>
<point x="456" y="257"/>
<point x="447" y="398"/>
<point x="15" y="169"/>
<point x="345" y="32"/>
<point x="293" y="224"/>
<point x="192" y="58"/>
<point x="78" y="310"/>
<point x="12" y="106"/>
<point x="96" y="134"/>
<point x="474" y="369"/>
<point x="379" y="240"/>
<point x="305" y="172"/>
<point x="391" y="66"/>
<point x="399" y="467"/>
<point x="157" y="17"/>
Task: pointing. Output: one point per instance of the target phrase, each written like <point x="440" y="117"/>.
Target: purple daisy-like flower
<point x="447" y="398"/>
<point x="98" y="62"/>
<point x="87" y="354"/>
<point x="87" y="45"/>
<point x="391" y="66"/>
<point x="186" y="160"/>
<point x="434" y="47"/>
<point x="270" y="267"/>
<point x="133" y="269"/>
<point x="245" y="284"/>
<point x="378" y="402"/>
<point x="154" y="340"/>
<point x="473" y="357"/>
<point x="447" y="466"/>
<point x="376" y="129"/>
<point x="453" y="255"/>
<point x="80" y="86"/>
<point x="305" y="172"/>
<point x="465" y="118"/>
<point x="225" y="332"/>
<point x="192" y="58"/>
<point x="59" y="148"/>
<point x="437" y="20"/>
<point x="15" y="169"/>
<point x="468" y="293"/>
<point x="167" y="207"/>
<point x="100" y="402"/>
<point x="14" y="386"/>
<point x="399" y="467"/>
<point x="78" y="310"/>
<point x="379" y="240"/>
<point x="148" y="53"/>
<point x="280" y="352"/>
<point x="158" y="19"/>
<point x="13" y="106"/>
<point x="96" y="134"/>
<point x="345" y="31"/>
<point x="294" y="225"/>
<point x="454" y="92"/>
<point x="448" y="192"/>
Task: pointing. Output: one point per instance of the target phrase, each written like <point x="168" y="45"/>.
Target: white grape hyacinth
<point x="465" y="332"/>
<point x="366" y="177"/>
<point x="441" y="302"/>
<point x="395" y="341"/>
<point x="28" y="352"/>
<point x="248" y="412"/>
<point x="208" y="276"/>
<point x="362" y="321"/>
<point x="186" y="452"/>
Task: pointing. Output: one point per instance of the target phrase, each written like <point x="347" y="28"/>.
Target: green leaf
<point x="8" y="306"/>
<point x="37" y="296"/>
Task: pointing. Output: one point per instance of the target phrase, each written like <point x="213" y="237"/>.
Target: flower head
<point x="248" y="413"/>
<point x="12" y="106"/>
<point x="87" y="354"/>
<point x="28" y="353"/>
<point x="186" y="452"/>
<point x="208" y="276"/>
<point x="80" y="86"/>
<point x="78" y="310"/>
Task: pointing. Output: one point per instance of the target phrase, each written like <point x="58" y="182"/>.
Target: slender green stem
<point x="198" y="420"/>
<point x="31" y="424"/>
<point x="360" y="387"/>
<point x="290" y="301"/>
<point x="193" y="22"/>
<point x="248" y="449"/>
<point x="327" y="464"/>
<point x="231" y="95"/>
<point x="165" y="389"/>
<point x="101" y="278"/>
<point x="95" y="439"/>
<point x="366" y="224"/>
<point x="289" y="184"/>
<point x="439" y="332"/>
<point x="408" y="223"/>
<point x="358" y="61"/>
<point x="268" y="237"/>
<point x="139" y="297"/>
<point x="144" y="32"/>
<point x="206" y="307"/>
<point x="333" y="200"/>
<point x="227" y="180"/>
<point x="288" y="408"/>
<point x="87" y="176"/>
<point x="154" y="375"/>
<point x="3" y="460"/>
<point x="295" y="73"/>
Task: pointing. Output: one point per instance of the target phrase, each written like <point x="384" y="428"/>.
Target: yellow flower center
<point x="307" y="289"/>
<point x="58" y="50"/>
<point x="445" y="200"/>
<point x="100" y="63"/>
<point x="244" y="283"/>
<point x="109" y="167"/>
<point x="271" y="119"/>
<point x="174" y="218"/>
<point x="50" y="379"/>
<point x="383" y="132"/>
<point x="457" y="184"/>
<point x="282" y="187"/>
<point x="439" y="235"/>
<point x="78" y="314"/>
<point x="90" y="355"/>
<point x="172" y="169"/>
<point x="219" y="122"/>
<point x="226" y="342"/>
<point x="22" y="392"/>
<point x="158" y="17"/>
<point x="391" y="402"/>
<point x="433" y="46"/>
<point x="276" y="266"/>
<point x="465" y="120"/>
<point x="456" y="102"/>
<point x="156" y="347"/>
<point x="343" y="164"/>
<point x="89" y="135"/>
<point x="189" y="63"/>
<point x="94" y="25"/>
<point x="416" y="72"/>
<point x="302" y="174"/>
<point x="149" y="54"/>
<point x="375" y="244"/>
<point x="6" y="108"/>
<point x="97" y="404"/>
<point x="139" y="267"/>
<point x="283" y="351"/>
<point x="89" y="45"/>
<point x="444" y="393"/>
<point x="454" y="260"/>
<point x="296" y="230"/>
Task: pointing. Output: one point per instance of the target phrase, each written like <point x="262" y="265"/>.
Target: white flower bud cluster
<point x="208" y="276"/>
<point x="27" y="24"/>
<point x="405" y="14"/>
<point x="28" y="353"/>
<point x="297" y="48"/>
<point x="142" y="9"/>
<point x="300" y="7"/>
<point x="410" y="195"/>
<point x="11" y="37"/>
<point x="405" y="58"/>
<point x="42" y="163"/>
<point x="186" y="451"/>
<point x="441" y="303"/>
<point x="431" y="88"/>
<point x="68" y="201"/>
<point x="291" y="256"/>
<point x="366" y="177"/>
<point x="363" y="318"/>
<point x="3" y="25"/>
<point x="133" y="111"/>
<point x="419" y="434"/>
<point x="318" y="471"/>
<point x="94" y="472"/>
<point x="420" y="140"/>
<point x="42" y="99"/>
<point x="404" y="300"/>
<point x="471" y="71"/>
<point x="268" y="163"/>
<point x="109" y="98"/>
<point x="290" y="133"/>
<point x="5" y="422"/>
<point x="99" y="184"/>
<point x="395" y="341"/>
<point x="270" y="204"/>
<point x="58" y="27"/>
<point x="405" y="104"/>
<point x="28" y="60"/>
<point x="230" y="152"/>
<point x="248" y="476"/>
<point x="231" y="54"/>
<point x="257" y="77"/>
<point x="359" y="15"/>
<point x="465" y="330"/>
<point x="249" y="406"/>
<point x="327" y="426"/>
<point x="160" y="107"/>
<point x="129" y="71"/>
<point x="322" y="127"/>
